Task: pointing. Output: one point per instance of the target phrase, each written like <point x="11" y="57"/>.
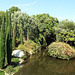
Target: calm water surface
<point x="42" y="64"/>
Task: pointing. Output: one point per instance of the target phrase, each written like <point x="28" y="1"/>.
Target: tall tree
<point x="14" y="35"/>
<point x="14" y="9"/>
<point x="9" y="40"/>
<point x="21" y="19"/>
<point x="45" y="29"/>
<point x="21" y="34"/>
<point x="2" y="13"/>
<point x="6" y="31"/>
<point x="2" y="45"/>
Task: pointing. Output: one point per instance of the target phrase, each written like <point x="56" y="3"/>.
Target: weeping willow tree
<point x="2" y="45"/>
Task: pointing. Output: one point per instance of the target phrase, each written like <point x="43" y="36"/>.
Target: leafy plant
<point x="65" y="32"/>
<point x="61" y="50"/>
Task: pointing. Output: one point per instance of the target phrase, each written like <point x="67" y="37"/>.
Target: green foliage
<point x="14" y="35"/>
<point x="21" y="35"/>
<point x="21" y="47"/>
<point x="14" y="9"/>
<point x="29" y="47"/>
<point x="38" y="28"/>
<point x="44" y="29"/>
<point x="9" y="40"/>
<point x="2" y="13"/>
<point x="65" y="31"/>
<point x="6" y="34"/>
<point x="2" y="45"/>
<point x="21" y="21"/>
<point x="10" y="69"/>
<point x="2" y="73"/>
<point x="61" y="50"/>
<point x="16" y="60"/>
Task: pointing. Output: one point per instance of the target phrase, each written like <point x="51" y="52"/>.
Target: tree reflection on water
<point x="42" y="64"/>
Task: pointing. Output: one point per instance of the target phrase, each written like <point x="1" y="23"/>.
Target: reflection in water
<point x="42" y="64"/>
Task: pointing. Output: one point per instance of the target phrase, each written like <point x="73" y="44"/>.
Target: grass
<point x="2" y="73"/>
<point x="16" y="60"/>
<point x="11" y="70"/>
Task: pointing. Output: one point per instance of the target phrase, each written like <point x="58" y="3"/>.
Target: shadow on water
<point x="42" y="64"/>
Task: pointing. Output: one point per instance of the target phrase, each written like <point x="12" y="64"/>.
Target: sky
<point x="61" y="9"/>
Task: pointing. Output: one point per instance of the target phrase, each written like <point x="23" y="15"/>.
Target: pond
<point x="42" y="64"/>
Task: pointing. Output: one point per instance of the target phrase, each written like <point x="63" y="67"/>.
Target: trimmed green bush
<point x="29" y="47"/>
<point x="61" y="50"/>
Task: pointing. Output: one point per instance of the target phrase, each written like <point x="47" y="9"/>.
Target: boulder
<point x="18" y="53"/>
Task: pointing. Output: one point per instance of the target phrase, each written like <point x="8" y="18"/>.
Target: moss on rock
<point x="61" y="50"/>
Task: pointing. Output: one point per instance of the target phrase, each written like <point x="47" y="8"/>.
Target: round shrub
<point x="61" y="50"/>
<point x="31" y="47"/>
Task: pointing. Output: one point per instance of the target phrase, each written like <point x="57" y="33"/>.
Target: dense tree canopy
<point x="24" y="24"/>
<point x="14" y="9"/>
<point x="39" y="28"/>
<point x="45" y="25"/>
<point x="65" y="31"/>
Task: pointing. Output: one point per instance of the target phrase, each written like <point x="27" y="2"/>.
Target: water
<point x="42" y="64"/>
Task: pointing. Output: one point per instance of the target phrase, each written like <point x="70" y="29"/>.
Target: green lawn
<point x="2" y="73"/>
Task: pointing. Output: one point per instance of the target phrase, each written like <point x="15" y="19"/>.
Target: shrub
<point x="61" y="50"/>
<point x="21" y="47"/>
<point x="29" y="47"/>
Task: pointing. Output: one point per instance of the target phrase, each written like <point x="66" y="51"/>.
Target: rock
<point x="21" y="61"/>
<point x="18" y="53"/>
